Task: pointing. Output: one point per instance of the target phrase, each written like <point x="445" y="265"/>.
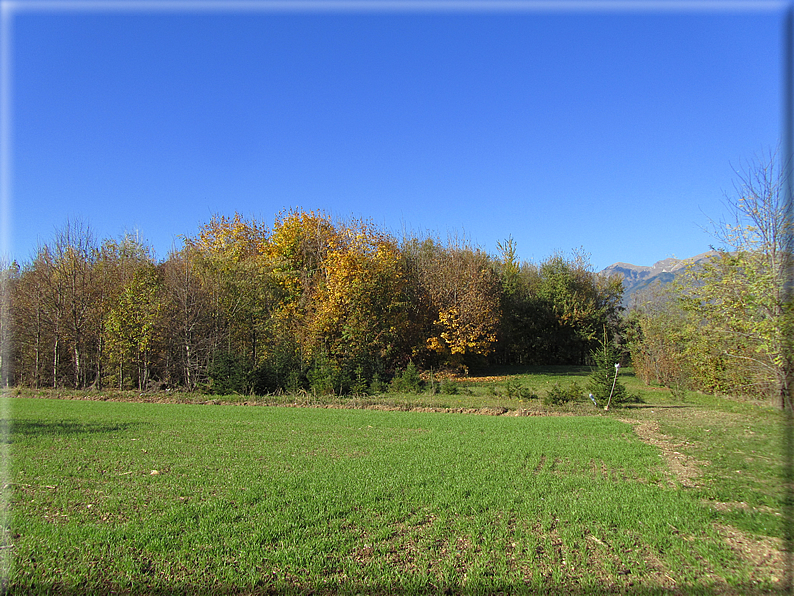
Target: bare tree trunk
<point x="55" y="363"/>
<point x="37" y="349"/>
<point x="188" y="368"/>
<point x="99" y="362"/>
<point x="76" y="353"/>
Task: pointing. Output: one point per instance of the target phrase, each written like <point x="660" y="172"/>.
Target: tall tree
<point x="232" y="254"/>
<point x="115" y="268"/>
<point x="48" y="293"/>
<point x="133" y="323"/>
<point x="188" y="316"/>
<point x="581" y="305"/>
<point x="739" y="295"/>
<point x="296" y="254"/>
<point x="74" y="254"/>
<point x="461" y="288"/>
<point x="363" y="310"/>
<point x="9" y="278"/>
<point x="657" y="336"/>
<point x="32" y="325"/>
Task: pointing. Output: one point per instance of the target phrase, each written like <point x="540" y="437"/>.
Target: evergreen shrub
<point x="515" y="390"/>
<point x="600" y="383"/>
<point x="408" y="381"/>
<point x="558" y="395"/>
<point x="229" y="374"/>
<point x="376" y="385"/>
<point x="449" y="387"/>
<point x="326" y="378"/>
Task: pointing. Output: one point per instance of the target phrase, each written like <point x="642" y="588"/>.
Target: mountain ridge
<point x="638" y="277"/>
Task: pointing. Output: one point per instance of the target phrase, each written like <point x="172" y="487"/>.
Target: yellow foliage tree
<point x="363" y="308"/>
<point x="232" y="254"/>
<point x="296" y="252"/>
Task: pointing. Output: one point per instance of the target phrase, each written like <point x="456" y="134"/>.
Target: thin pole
<point x="615" y="380"/>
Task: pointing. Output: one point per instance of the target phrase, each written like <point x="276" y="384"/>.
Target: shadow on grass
<point x="13" y="429"/>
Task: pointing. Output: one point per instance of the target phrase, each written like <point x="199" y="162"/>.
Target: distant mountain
<point x="637" y="277"/>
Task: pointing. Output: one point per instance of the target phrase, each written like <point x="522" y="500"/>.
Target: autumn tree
<point x="187" y="313"/>
<point x="461" y="289"/>
<point x="581" y="304"/>
<point x="115" y="267"/>
<point x="232" y="253"/>
<point x="658" y="333"/>
<point x="363" y="313"/>
<point x="30" y="333"/>
<point x="9" y="277"/>
<point x="737" y="298"/>
<point x="729" y="317"/>
<point x="133" y="324"/>
<point x="513" y="296"/>
<point x="41" y="315"/>
<point x="74" y="254"/>
<point x="296" y="253"/>
<point x="229" y="256"/>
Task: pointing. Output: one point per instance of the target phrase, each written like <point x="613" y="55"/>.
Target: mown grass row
<point x="163" y="498"/>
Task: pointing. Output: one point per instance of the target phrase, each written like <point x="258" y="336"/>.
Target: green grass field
<point x="161" y="498"/>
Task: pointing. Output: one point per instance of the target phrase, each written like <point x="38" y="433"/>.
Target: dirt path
<point x="765" y="554"/>
<point x="684" y="470"/>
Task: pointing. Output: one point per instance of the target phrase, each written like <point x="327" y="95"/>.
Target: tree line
<point x="308" y="303"/>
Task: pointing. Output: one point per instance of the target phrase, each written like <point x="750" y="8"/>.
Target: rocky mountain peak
<point x="637" y="277"/>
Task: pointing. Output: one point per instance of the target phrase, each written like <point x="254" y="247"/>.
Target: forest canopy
<point x="308" y="303"/>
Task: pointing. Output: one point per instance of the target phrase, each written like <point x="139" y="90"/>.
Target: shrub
<point x="605" y="375"/>
<point x="558" y="395"/>
<point x="279" y="371"/>
<point x="407" y="382"/>
<point x="229" y="374"/>
<point x="376" y="385"/>
<point x="527" y="393"/>
<point x="325" y="377"/>
<point x="515" y="390"/>
<point x="360" y="385"/>
<point x="449" y="387"/>
<point x="678" y="391"/>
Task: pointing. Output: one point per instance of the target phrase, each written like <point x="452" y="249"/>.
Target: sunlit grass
<point x="169" y="497"/>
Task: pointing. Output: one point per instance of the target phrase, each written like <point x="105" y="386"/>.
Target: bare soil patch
<point x="765" y="554"/>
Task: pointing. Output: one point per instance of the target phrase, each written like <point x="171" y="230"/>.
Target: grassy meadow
<point x="394" y="494"/>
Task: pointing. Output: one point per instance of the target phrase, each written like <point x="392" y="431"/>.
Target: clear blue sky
<point x="614" y="130"/>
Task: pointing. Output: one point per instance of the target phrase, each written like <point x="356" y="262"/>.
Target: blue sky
<point x="613" y="130"/>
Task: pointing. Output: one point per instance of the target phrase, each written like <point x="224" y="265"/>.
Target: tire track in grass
<point x="540" y="465"/>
